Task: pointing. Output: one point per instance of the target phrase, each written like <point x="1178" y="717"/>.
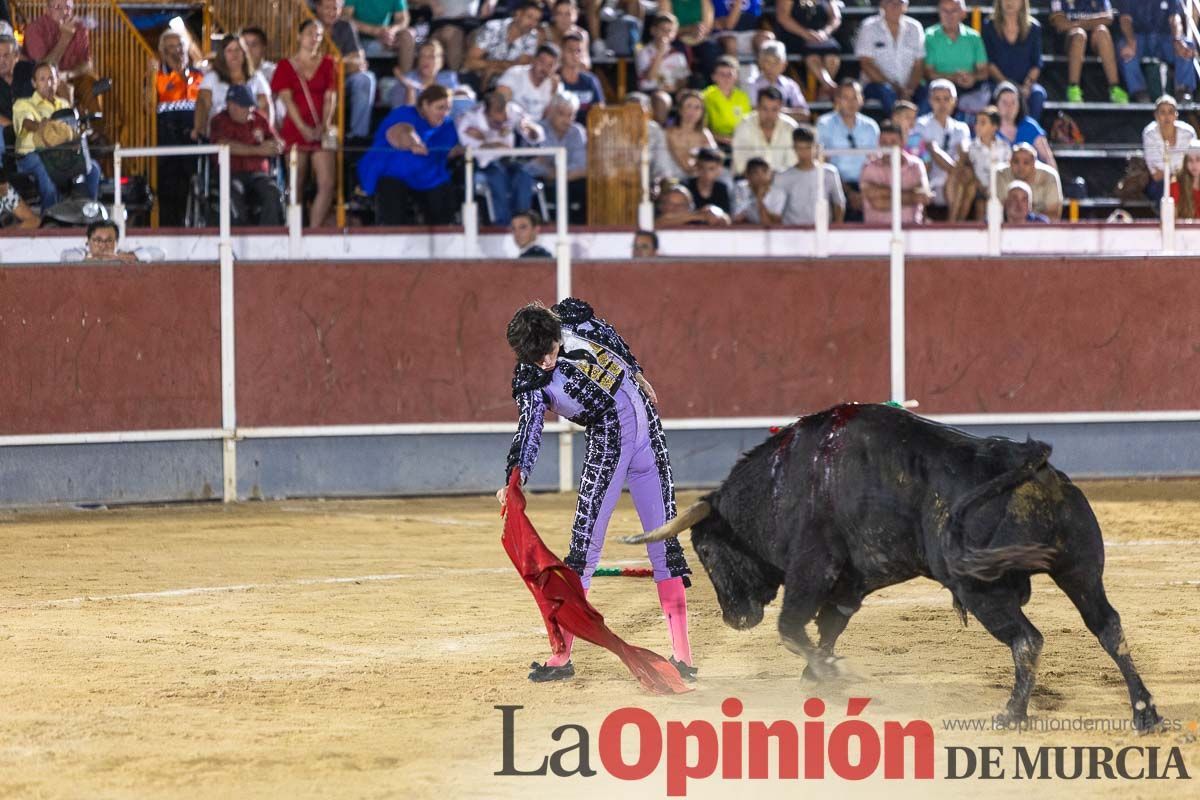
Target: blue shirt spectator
<point x="406" y="168"/>
<point x="835" y="132"/>
<point x="420" y="172"/>
<point x="1157" y="32"/>
<point x="1018" y="60"/>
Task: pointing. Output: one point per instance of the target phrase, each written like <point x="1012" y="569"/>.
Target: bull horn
<point x="673" y="528"/>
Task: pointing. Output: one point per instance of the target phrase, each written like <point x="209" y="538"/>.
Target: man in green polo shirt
<point x="955" y="52"/>
<point x="383" y="26"/>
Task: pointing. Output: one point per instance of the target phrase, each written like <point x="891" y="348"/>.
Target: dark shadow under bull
<point x="859" y="497"/>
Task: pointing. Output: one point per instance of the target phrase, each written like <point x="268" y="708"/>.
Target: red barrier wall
<point x="103" y="348"/>
<point x="735" y="339"/>
<point x="138" y="347"/>
<point x="340" y="344"/>
<point x="1013" y="335"/>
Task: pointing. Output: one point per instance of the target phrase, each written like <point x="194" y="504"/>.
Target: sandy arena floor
<point x="357" y="648"/>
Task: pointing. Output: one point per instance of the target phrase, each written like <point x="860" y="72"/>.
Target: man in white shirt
<point x="495" y="123"/>
<point x="799" y="183"/>
<point x="945" y="138"/>
<point x="765" y="134"/>
<point x="757" y="201"/>
<point x="891" y="51"/>
<point x="532" y="85"/>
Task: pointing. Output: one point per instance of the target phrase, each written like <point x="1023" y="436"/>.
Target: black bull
<point x="859" y="497"/>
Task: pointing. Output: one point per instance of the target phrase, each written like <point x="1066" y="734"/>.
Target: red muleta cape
<point x="559" y="595"/>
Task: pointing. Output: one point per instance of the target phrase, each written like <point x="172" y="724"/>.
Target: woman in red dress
<point x="306" y="83"/>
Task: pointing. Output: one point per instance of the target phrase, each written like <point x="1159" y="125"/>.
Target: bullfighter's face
<point x="548" y="361"/>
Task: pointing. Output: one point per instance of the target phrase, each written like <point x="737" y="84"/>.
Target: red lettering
<point x="789" y="749"/>
<point x="731" y="740"/>
<point x="814" y="740"/>
<point x="649" y="743"/>
<point x="894" y="735"/>
<point x="678" y="768"/>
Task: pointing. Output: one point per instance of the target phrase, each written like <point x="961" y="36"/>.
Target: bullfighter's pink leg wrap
<point x="568" y="639"/>
<point x="673" y="598"/>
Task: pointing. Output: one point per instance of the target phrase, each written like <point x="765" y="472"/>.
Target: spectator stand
<point x="281" y="22"/>
<point x="118" y="51"/>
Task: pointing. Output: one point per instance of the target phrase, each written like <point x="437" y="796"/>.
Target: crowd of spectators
<point x="732" y="136"/>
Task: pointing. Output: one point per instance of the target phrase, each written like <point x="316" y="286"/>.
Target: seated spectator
<point x="845" y="128"/>
<point x="686" y="138"/>
<point x="661" y="63"/>
<point x="504" y="43"/>
<point x="904" y="114"/>
<point x="13" y="211"/>
<point x="307" y="86"/>
<point x="645" y="244"/>
<point x="806" y="28"/>
<point x="800" y="183"/>
<point x="706" y="186"/>
<point x="1155" y="30"/>
<point x="406" y="170"/>
<point x="1079" y="22"/>
<point x="525" y="226"/>
<point x="675" y="207"/>
<point x="564" y="22"/>
<point x="1185" y="189"/>
<point x="1165" y="134"/>
<point x="758" y="201"/>
<point x="230" y="67"/>
<point x="31" y="119"/>
<point x="695" y="20"/>
<point x="891" y="51"/>
<point x="360" y="80"/>
<point x="1013" y="40"/>
<point x="253" y="146"/>
<point x="452" y="21"/>
<point x="1046" y="193"/>
<point x="496" y="123"/>
<point x="968" y="190"/>
<point x="561" y="130"/>
<point x="16" y="80"/>
<point x="532" y="85"/>
<point x="725" y="105"/>
<point x="876" y="182"/>
<point x="574" y="78"/>
<point x="772" y="62"/>
<point x="660" y="107"/>
<point x="766" y="133"/>
<point x="61" y="39"/>
<point x="955" y="52"/>
<point x="734" y="24"/>
<point x="383" y="26"/>
<point x="1016" y="205"/>
<point x="1017" y="128"/>
<point x="174" y="86"/>
<point x="428" y="72"/>
<point x="662" y="165"/>
<point x="944" y="139"/>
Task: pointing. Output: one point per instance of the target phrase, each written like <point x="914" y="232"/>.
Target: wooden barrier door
<point x="616" y="143"/>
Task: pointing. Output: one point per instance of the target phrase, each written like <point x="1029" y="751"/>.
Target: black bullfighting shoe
<point x="542" y="673"/>
<point x="685" y="672"/>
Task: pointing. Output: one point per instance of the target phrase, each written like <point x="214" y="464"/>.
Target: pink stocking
<point x="672" y="597"/>
<point x="568" y="639"/>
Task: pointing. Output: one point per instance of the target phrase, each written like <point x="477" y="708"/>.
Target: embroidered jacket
<point x="593" y="364"/>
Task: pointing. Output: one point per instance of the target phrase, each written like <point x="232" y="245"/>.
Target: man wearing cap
<point x="252" y="143"/>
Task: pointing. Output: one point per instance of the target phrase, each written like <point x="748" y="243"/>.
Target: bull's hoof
<point x="822" y="668"/>
<point x="1146" y="718"/>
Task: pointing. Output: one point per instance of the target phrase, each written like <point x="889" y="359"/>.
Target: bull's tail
<point x="990" y="563"/>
